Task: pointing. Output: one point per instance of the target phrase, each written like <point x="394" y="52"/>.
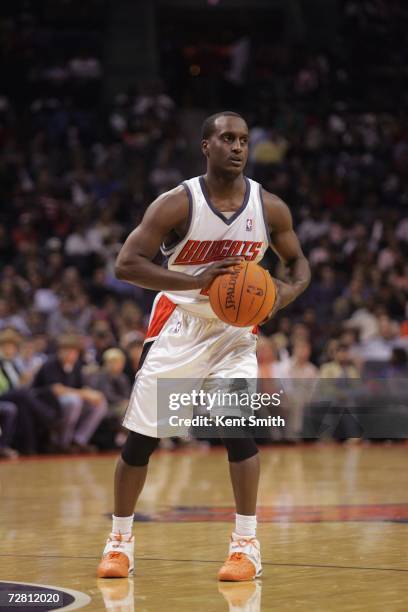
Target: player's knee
<point x="137" y="449"/>
<point x="240" y="449"/>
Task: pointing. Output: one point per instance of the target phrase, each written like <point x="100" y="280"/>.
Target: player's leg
<point x="131" y="471"/>
<point x="236" y="363"/>
<point x="130" y="475"/>
<point x="244" y="560"/>
<point x="244" y="475"/>
<point x="175" y="353"/>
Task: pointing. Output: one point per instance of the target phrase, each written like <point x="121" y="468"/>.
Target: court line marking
<point x="264" y="449"/>
<point x="270" y="563"/>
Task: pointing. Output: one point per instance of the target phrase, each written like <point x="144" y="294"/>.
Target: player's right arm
<point x="166" y="215"/>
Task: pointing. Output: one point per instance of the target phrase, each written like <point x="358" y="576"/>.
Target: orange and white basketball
<point x="244" y="297"/>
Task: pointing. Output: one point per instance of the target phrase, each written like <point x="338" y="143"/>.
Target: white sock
<point x="245" y="525"/>
<point x="122" y="524"/>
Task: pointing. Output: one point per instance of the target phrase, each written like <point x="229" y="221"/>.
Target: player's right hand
<point x="205" y="278"/>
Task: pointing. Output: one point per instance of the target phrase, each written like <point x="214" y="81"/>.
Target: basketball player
<point x="203" y="227"/>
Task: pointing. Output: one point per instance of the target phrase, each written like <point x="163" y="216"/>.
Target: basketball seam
<point x="265" y="296"/>
<point x="219" y="298"/>
<point x="242" y="291"/>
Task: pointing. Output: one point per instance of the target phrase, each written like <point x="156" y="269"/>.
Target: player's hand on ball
<point x="219" y="267"/>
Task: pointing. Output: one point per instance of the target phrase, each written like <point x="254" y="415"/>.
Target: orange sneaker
<point x="244" y="560"/>
<point x="117" y="559"/>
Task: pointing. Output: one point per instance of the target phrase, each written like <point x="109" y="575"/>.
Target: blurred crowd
<point x="76" y="176"/>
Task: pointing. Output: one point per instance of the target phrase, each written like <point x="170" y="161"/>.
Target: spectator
<point x="9" y="347"/>
<point x="164" y="177"/>
<point x="115" y="386"/>
<point x="29" y="360"/>
<point x="102" y="339"/>
<point x="364" y="320"/>
<point x="134" y="352"/>
<point x="85" y="66"/>
<point x="130" y="321"/>
<point x="298" y="365"/>
<point x="294" y="374"/>
<point x="379" y="347"/>
<point x="61" y="382"/>
<point x="70" y="317"/>
<point x="341" y="394"/>
<point x="266" y="354"/>
<point x="398" y="366"/>
<point x="341" y="367"/>
<point x="111" y="381"/>
<point x="9" y="317"/>
<point x="396" y="372"/>
<point x="34" y="419"/>
<point x="8" y="418"/>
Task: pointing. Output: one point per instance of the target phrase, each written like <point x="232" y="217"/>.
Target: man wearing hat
<point x="9" y="344"/>
<point x="60" y="381"/>
<point x="33" y="418"/>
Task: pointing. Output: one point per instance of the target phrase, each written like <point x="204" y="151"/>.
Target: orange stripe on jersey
<point x="162" y="312"/>
<point x="255" y="329"/>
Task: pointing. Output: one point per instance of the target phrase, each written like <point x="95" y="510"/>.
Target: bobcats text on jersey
<point x="204" y="251"/>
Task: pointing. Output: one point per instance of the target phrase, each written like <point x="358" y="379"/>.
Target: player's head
<point x="225" y="142"/>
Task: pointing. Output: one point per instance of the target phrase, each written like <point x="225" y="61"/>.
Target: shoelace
<point x="242" y="543"/>
<point x="118" y="539"/>
<point x="236" y="557"/>
<point x="113" y="555"/>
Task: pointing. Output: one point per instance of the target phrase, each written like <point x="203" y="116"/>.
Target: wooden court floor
<point x="333" y="524"/>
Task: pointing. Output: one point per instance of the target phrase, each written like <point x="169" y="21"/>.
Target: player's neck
<point x="221" y="185"/>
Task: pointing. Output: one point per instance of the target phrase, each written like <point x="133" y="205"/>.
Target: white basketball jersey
<point x="212" y="236"/>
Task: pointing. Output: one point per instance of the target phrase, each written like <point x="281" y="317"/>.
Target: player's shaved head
<point x="225" y="143"/>
<point x="208" y="128"/>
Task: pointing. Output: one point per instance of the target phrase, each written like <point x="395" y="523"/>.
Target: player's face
<point x="227" y="148"/>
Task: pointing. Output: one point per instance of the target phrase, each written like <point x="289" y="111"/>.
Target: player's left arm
<point x="285" y="243"/>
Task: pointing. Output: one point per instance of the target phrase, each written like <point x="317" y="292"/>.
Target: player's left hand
<point x="284" y="296"/>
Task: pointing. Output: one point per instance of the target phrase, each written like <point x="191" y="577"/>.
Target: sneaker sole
<point x="257" y="575"/>
<point x="130" y="573"/>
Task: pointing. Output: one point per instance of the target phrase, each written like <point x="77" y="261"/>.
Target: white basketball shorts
<point x="181" y="345"/>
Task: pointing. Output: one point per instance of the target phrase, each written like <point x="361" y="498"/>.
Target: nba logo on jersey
<point x="249" y="225"/>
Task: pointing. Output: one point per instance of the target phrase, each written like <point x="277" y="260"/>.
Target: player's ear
<point x="204" y="147"/>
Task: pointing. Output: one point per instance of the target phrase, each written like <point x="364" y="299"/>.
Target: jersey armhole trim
<point x="167" y="250"/>
<point x="267" y="232"/>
